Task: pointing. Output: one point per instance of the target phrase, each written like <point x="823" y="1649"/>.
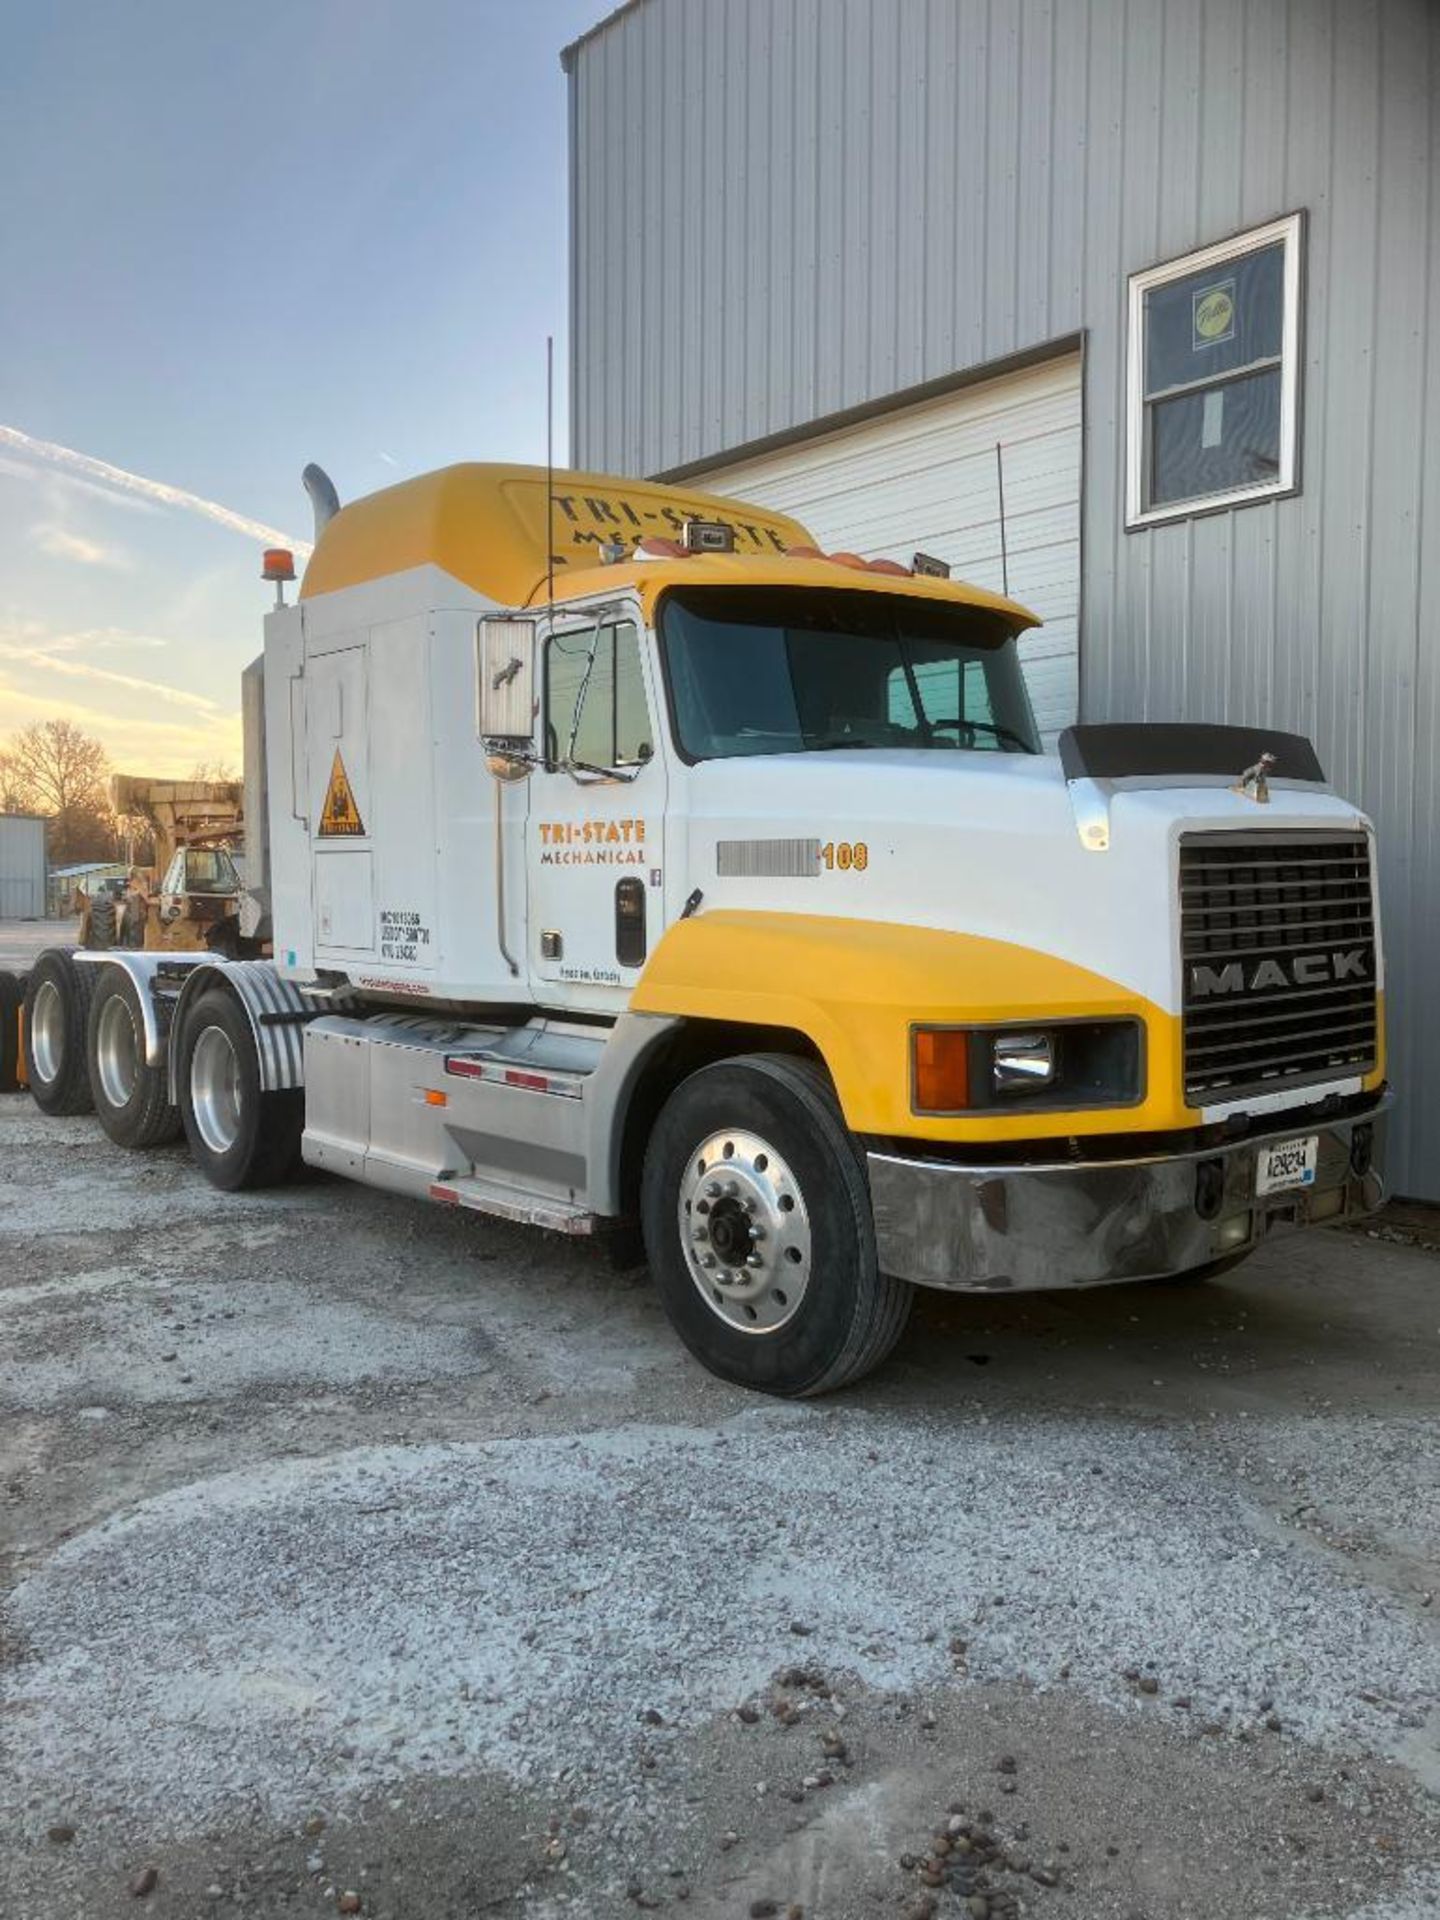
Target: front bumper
<point x="1083" y="1223"/>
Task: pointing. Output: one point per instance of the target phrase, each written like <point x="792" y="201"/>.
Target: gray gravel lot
<point x="359" y="1546"/>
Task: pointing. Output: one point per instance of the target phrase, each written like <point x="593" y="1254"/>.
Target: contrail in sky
<point x="85" y="464"/>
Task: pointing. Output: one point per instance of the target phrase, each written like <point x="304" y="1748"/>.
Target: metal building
<point x="1178" y="260"/>
<point x="22" y="866"/>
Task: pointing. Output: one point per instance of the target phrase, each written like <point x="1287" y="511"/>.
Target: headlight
<point x="1021" y="1060"/>
<point x="1066" y="1064"/>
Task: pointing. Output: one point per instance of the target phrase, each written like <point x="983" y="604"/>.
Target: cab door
<point x="594" y="833"/>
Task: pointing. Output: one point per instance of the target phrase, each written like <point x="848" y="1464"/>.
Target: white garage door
<point x="927" y="477"/>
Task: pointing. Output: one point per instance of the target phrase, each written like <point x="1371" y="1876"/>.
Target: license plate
<point x="1289" y="1164"/>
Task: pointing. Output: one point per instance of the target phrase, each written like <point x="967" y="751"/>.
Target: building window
<point x="1214" y="368"/>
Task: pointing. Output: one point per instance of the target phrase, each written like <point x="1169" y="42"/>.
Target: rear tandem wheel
<point x="240" y="1134"/>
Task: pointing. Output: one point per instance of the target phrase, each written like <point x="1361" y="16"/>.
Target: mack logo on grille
<point x="1304" y="970"/>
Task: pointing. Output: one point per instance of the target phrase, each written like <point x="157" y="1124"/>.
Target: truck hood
<point x="979" y="843"/>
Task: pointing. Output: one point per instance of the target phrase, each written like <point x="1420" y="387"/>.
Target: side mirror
<point x="505" y="679"/>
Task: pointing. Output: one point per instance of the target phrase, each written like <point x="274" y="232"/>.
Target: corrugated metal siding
<point x="784" y="208"/>
<point x="22" y="867"/>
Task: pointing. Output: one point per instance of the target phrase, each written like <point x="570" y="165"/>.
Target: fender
<point x="855" y="988"/>
<point x="157" y="1006"/>
<point x="277" y="1010"/>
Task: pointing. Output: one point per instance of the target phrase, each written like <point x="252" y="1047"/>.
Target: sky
<point x="233" y="240"/>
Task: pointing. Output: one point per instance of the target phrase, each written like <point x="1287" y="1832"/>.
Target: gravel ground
<point x="360" y="1547"/>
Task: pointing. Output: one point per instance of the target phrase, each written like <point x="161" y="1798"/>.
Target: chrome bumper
<point x="1083" y="1223"/>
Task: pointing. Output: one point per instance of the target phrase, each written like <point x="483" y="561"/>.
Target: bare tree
<point x="53" y="768"/>
<point x="206" y="770"/>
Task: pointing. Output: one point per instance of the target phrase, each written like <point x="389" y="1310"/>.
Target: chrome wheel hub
<point x="47" y="1031"/>
<point x="215" y="1089"/>
<point x="117" y="1051"/>
<point x="745" y="1231"/>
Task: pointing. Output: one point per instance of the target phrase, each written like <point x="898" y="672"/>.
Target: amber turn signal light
<point x="942" y="1069"/>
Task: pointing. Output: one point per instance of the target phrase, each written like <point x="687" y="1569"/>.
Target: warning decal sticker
<point x="340" y="815"/>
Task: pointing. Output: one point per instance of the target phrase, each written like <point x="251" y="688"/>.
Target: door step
<point x="513" y="1203"/>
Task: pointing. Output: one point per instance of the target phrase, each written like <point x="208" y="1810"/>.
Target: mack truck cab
<point x="631" y="866"/>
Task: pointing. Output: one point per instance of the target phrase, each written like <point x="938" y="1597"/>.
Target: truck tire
<point x="759" y="1233"/>
<point x="57" y="1009"/>
<point x="240" y="1135"/>
<point x="103" y="924"/>
<point x="132" y="1100"/>
<point x="12" y="998"/>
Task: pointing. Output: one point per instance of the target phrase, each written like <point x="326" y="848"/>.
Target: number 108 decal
<point x="849" y="856"/>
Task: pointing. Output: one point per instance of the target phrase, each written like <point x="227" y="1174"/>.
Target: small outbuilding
<point x="23" y="866"/>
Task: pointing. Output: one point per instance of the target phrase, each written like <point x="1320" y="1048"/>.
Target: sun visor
<point x="1168" y="752"/>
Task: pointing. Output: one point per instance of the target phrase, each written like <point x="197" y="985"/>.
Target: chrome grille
<point x="1278" y="951"/>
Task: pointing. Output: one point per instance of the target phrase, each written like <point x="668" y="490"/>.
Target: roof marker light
<point x="929" y="567"/>
<point x="707" y="536"/>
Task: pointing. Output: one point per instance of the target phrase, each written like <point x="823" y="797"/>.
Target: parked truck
<point x="631" y="864"/>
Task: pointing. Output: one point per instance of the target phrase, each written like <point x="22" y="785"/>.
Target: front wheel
<point x="759" y="1232"/>
<point x="240" y="1135"/>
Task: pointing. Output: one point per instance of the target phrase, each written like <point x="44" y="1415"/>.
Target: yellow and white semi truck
<point x="630" y="862"/>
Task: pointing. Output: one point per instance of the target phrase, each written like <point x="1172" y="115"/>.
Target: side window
<point x="614" y="728"/>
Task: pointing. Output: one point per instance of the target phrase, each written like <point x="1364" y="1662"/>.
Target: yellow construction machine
<point x="189" y="900"/>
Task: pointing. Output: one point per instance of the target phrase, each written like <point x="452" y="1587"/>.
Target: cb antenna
<point x="550" y="467"/>
<point x="1000" y="490"/>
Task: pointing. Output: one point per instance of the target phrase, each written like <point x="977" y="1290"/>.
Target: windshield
<point x="209" y="870"/>
<point x="790" y="670"/>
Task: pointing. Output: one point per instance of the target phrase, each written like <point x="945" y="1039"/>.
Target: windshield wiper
<point x="833" y="743"/>
<point x="1002" y="733"/>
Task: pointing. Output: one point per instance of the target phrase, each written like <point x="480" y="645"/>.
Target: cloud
<point x="35" y="634"/>
<point x="123" y="482"/>
<point x="84" y="639"/>
<point x="62" y="487"/>
<point x="165" y="748"/>
<point x="55" y="661"/>
<point x="61" y="544"/>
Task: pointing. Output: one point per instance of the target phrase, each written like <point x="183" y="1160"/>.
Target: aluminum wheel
<point x="47" y="1031"/>
<point x="215" y="1089"/>
<point x="117" y="1050"/>
<point x="746" y="1232"/>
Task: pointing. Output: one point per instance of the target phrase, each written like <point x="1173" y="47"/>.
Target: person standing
<point x="137" y="911"/>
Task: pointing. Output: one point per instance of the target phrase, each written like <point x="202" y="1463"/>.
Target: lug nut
<point x="707" y="1259"/>
<point x="757" y="1233"/>
<point x="754" y="1261"/>
<point x="699" y="1233"/>
<point x="732" y="1187"/>
<point x="749" y="1204"/>
<point x="712" y="1188"/>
